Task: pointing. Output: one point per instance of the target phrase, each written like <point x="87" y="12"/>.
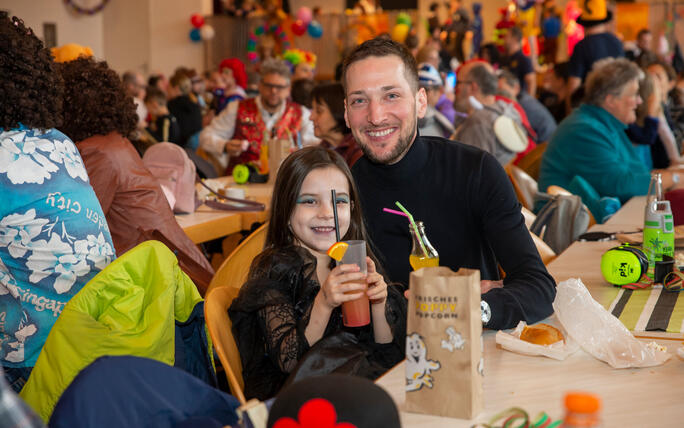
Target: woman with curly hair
<point x="53" y="237"/>
<point x="98" y="116"/>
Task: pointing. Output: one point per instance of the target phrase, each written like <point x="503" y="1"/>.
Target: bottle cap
<point x="582" y="402"/>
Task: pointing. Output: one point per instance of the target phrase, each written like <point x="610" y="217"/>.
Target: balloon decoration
<point x="197" y="20"/>
<point x="304" y="14"/>
<point x="253" y="39"/>
<point x="315" y="29"/>
<point x="195" y="35"/>
<point x="201" y="30"/>
<point x="305" y="23"/>
<point x="402" y="27"/>
<point x="207" y="32"/>
<point x="298" y="28"/>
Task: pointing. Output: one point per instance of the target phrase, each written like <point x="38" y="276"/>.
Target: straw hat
<point x="594" y="12"/>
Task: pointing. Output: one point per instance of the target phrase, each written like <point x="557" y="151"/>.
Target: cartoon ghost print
<point x="418" y="367"/>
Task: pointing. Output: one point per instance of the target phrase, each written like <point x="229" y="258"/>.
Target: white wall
<point x="127" y="34"/>
<point x="71" y="28"/>
<point x="170" y="45"/>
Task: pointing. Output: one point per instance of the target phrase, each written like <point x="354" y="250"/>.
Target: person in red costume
<point x="235" y="136"/>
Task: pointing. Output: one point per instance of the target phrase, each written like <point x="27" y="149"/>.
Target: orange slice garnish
<point x="337" y="250"/>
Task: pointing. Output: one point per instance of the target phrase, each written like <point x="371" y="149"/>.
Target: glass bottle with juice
<point x="423" y="254"/>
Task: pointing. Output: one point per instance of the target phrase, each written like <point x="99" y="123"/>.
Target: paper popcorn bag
<point x="444" y="364"/>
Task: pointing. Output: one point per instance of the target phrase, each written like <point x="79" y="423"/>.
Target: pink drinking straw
<point x="387" y="210"/>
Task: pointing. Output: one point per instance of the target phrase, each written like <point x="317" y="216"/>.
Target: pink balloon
<point x="305" y="15"/>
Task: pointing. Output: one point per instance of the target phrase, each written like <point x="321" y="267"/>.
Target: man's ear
<point x="421" y="103"/>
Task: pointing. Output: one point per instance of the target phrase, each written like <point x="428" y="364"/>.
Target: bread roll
<point x="541" y="334"/>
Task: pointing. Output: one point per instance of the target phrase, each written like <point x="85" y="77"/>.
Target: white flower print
<point x="20" y="158"/>
<point x="99" y="251"/>
<point x="8" y="285"/>
<point x="18" y="230"/>
<point x="66" y="152"/>
<point x="21" y="335"/>
<point x="56" y="256"/>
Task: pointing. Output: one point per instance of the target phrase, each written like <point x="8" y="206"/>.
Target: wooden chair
<point x="531" y="162"/>
<point x="218" y="322"/>
<point x="557" y="190"/>
<point x="545" y="252"/>
<point x="234" y="269"/>
<point x="525" y="186"/>
<point x="224" y="287"/>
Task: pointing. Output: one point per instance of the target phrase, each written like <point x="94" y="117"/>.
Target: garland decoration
<point x="253" y="39"/>
<point x="84" y="10"/>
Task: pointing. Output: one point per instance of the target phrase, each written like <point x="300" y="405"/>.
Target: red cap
<point x="238" y="68"/>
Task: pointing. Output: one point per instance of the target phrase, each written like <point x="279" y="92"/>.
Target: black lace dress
<point x="272" y="311"/>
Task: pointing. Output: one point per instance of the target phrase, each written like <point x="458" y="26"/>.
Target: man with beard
<point x="459" y="192"/>
<point x="235" y="136"/>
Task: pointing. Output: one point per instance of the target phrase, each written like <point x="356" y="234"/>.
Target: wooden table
<point x="207" y="223"/>
<point x="631" y="397"/>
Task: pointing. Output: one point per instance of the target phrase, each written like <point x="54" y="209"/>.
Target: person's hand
<point x="377" y="288"/>
<point x="343" y="279"/>
<point x="234" y="147"/>
<point x="486" y="285"/>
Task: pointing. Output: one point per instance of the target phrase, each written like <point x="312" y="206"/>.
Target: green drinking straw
<point x="413" y="224"/>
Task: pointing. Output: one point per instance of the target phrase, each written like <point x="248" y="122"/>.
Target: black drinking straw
<point x="337" y="223"/>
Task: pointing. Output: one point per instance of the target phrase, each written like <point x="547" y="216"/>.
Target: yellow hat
<point x="594" y="12"/>
<point x="70" y="52"/>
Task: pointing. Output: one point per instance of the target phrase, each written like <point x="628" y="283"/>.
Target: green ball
<point x="240" y="174"/>
<point x="259" y="31"/>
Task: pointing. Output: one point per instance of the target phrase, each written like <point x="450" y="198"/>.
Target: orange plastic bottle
<point x="582" y="410"/>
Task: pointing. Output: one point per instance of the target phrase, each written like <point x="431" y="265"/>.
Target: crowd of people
<point x="396" y="126"/>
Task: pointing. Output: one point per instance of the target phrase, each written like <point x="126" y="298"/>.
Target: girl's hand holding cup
<point x="346" y="278"/>
<point x="377" y="288"/>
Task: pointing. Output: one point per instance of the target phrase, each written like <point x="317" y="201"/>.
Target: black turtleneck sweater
<point x="471" y="217"/>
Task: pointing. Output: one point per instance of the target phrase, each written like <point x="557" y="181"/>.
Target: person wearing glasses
<point x="235" y="136"/>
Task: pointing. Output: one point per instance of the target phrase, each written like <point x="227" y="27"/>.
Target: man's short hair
<point x="129" y="77"/>
<point x="516" y="33"/>
<point x="609" y="76"/>
<point x="425" y="52"/>
<point x="508" y="77"/>
<point x="485" y="79"/>
<point x="275" y="66"/>
<point x="153" y="93"/>
<point x="643" y="32"/>
<point x="380" y="47"/>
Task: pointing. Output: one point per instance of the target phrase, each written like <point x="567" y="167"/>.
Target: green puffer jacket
<point x="130" y="308"/>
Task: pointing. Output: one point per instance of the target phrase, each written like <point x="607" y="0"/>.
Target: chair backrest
<point x="170" y="164"/>
<point x="220" y="328"/>
<point x="545" y="252"/>
<point x="557" y="190"/>
<point x="529" y="216"/>
<point x="525" y="186"/>
<point x="224" y="287"/>
<point x="531" y="162"/>
<point x="234" y="269"/>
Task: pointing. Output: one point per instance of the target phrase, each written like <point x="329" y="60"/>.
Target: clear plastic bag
<point x="598" y="332"/>
<point x="558" y="351"/>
